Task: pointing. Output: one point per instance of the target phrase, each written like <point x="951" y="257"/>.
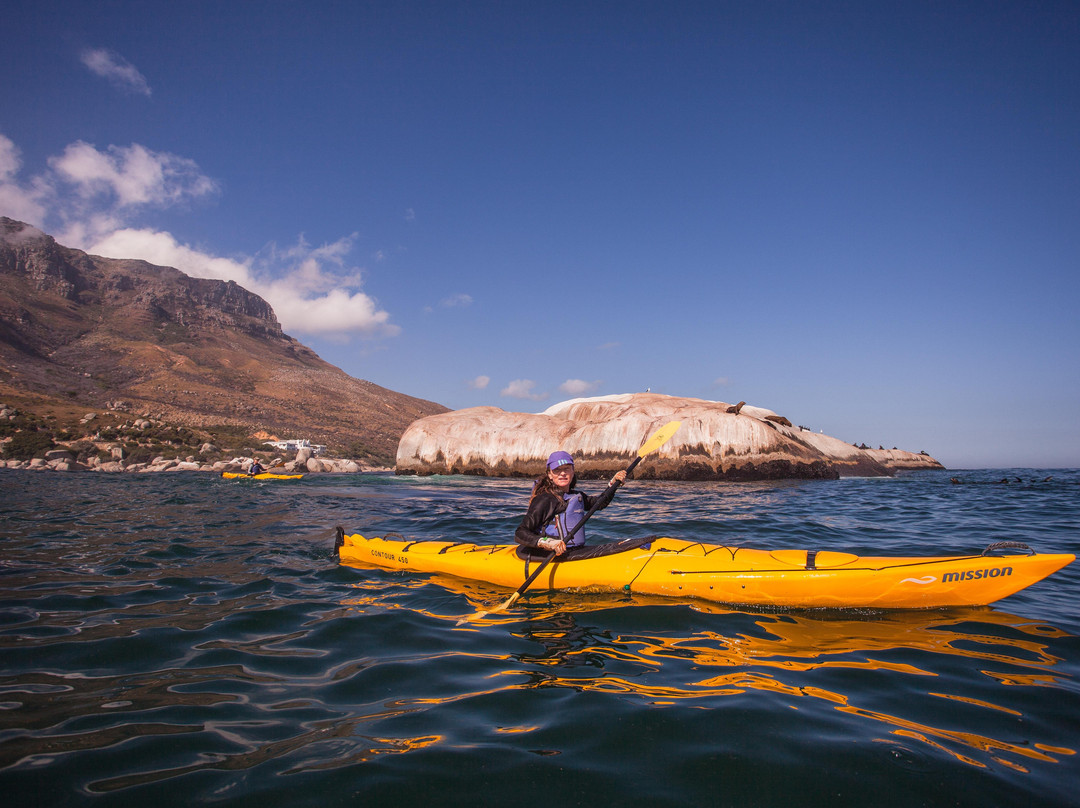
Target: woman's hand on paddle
<point x="620" y="477"/>
<point x="557" y="546"/>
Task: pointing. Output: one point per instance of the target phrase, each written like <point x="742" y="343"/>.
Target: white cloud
<point x="118" y="70"/>
<point x="480" y="382"/>
<point x="305" y="298"/>
<point x="132" y="175"/>
<point x="578" y="387"/>
<point x="522" y="388"/>
<point x="721" y="381"/>
<point x="312" y="289"/>
<point x="162" y="249"/>
<point x="24" y="204"/>
<point x="9" y="159"/>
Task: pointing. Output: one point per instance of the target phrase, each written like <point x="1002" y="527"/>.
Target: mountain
<point x="84" y="331"/>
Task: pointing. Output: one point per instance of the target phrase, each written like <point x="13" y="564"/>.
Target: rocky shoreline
<point x="107" y="442"/>
<point x="303" y="463"/>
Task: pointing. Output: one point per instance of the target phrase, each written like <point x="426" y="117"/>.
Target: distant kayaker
<point x="556" y="507"/>
<point x="254" y="468"/>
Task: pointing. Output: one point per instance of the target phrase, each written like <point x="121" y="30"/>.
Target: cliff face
<point x="136" y="294"/>
<point x="96" y="330"/>
<point x="716" y="441"/>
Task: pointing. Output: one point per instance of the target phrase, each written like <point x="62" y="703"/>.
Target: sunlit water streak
<point x="178" y="638"/>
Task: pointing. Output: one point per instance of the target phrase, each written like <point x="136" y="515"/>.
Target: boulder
<point x="716" y="441"/>
<point x="899" y="459"/>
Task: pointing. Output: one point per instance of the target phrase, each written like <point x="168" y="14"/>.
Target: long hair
<point x="546" y="484"/>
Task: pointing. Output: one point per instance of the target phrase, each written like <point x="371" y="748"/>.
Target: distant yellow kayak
<point x="263" y="475"/>
<point x="733" y="575"/>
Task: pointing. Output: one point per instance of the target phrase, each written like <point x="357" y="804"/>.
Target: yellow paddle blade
<point x="481" y="615"/>
<point x="659" y="438"/>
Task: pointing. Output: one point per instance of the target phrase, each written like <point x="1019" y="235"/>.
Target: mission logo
<point x="974" y="575"/>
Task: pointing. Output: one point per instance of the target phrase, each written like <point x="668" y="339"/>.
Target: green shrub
<point x="139" y="454"/>
<point x="28" y="445"/>
<point x="82" y="450"/>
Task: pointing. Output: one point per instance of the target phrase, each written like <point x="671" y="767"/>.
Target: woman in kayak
<point x="556" y="507"/>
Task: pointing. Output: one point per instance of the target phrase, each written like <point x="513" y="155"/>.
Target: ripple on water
<point x="176" y="639"/>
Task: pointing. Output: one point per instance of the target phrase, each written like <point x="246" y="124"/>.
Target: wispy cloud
<point x="116" y="69"/>
<point x="131" y="175"/>
<point x="26" y="203"/>
<point x="522" y="388"/>
<point x="10" y="161"/>
<point x="452" y="302"/>
<point x="97" y="196"/>
<point x="579" y="387"/>
<point x="480" y="382"/>
<point x="456" y="300"/>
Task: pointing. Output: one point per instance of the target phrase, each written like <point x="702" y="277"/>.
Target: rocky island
<point x="717" y="441"/>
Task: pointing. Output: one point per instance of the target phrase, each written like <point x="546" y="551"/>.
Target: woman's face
<point x="562" y="475"/>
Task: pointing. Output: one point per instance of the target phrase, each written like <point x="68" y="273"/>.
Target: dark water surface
<point x="176" y="639"/>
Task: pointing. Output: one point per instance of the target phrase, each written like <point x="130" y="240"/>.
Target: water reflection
<point x="804" y="658"/>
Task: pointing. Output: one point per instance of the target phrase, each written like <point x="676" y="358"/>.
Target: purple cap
<point x="559" y="459"/>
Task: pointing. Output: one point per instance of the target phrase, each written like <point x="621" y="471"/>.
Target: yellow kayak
<point x="262" y="475"/>
<point x="733" y="575"/>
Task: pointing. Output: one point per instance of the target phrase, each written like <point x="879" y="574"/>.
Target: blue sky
<point x="864" y="216"/>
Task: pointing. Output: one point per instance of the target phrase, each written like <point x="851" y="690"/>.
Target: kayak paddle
<point x="655" y="441"/>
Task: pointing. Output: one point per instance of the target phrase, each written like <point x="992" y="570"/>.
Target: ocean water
<point x="179" y="639"/>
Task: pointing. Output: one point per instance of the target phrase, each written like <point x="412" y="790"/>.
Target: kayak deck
<point x="734" y="575"/>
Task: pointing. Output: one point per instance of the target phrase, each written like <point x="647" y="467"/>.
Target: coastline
<point x="67" y="463"/>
